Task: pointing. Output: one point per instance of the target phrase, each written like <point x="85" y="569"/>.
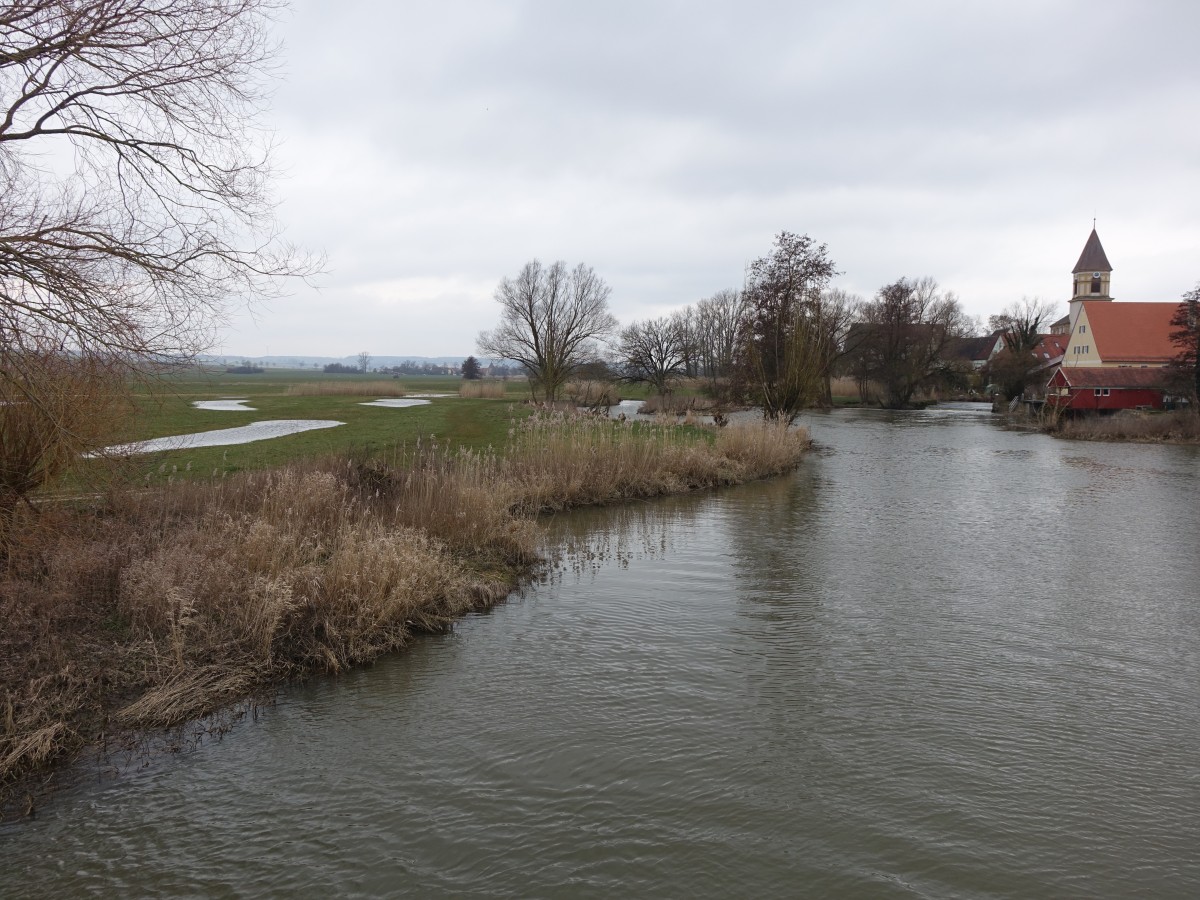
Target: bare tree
<point x="1020" y="327"/>
<point x="134" y="184"/>
<point x="833" y="313"/>
<point x="783" y="337"/>
<point x="1021" y="323"/>
<point x="686" y="326"/>
<point x="719" y="321"/>
<point x="902" y="340"/>
<point x="1185" y="365"/>
<point x="155" y="210"/>
<point x="550" y="321"/>
<point x="364" y="362"/>
<point x="654" y="352"/>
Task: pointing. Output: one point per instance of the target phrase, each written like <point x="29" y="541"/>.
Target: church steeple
<point x="1093" y="273"/>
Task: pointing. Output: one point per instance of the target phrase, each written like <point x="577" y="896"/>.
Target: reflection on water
<point x="942" y="660"/>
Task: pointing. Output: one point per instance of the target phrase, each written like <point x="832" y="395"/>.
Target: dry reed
<point x="1180" y="427"/>
<point x="345" y="389"/>
<point x="175" y="602"/>
<point x="482" y="390"/>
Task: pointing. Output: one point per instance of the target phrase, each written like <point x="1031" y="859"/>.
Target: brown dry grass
<point x="168" y="604"/>
<point x="345" y="389"/>
<point x="1181" y="427"/>
<point x="485" y="390"/>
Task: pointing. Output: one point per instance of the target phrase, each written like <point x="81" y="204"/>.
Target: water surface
<point x="221" y="437"/>
<point x="942" y="660"/>
<point x="224" y="405"/>
<point x="397" y="402"/>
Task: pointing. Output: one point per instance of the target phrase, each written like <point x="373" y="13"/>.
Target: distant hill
<point x="317" y="362"/>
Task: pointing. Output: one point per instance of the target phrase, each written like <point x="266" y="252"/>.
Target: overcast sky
<point x="429" y="149"/>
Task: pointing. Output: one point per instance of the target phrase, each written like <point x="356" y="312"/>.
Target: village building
<point x="1115" y="354"/>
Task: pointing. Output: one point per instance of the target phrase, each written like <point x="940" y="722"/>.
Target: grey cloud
<point x="665" y="143"/>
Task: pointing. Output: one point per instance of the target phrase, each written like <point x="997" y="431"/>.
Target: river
<point x="941" y="660"/>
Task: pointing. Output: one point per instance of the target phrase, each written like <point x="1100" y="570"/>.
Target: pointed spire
<point x="1092" y="259"/>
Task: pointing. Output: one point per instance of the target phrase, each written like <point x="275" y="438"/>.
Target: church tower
<point x="1093" y="272"/>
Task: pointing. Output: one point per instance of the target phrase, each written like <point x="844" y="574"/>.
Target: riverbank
<point x="158" y="606"/>
<point x="1132" y="427"/>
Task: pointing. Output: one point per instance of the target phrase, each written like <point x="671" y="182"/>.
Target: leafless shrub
<point x="592" y="394"/>
<point x="679" y="405"/>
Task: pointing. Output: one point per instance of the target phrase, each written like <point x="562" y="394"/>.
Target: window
<point x="1100" y="392"/>
<point x="1095" y="285"/>
<point x="1083" y="329"/>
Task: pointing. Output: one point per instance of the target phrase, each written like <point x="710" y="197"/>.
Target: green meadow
<point x="165" y="408"/>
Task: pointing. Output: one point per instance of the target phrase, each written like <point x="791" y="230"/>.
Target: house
<point x="1116" y="353"/>
<point x="974" y="351"/>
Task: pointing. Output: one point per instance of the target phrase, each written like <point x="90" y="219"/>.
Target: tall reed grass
<point x="1179" y="427"/>
<point x="485" y="390"/>
<point x="168" y="604"/>
<point x="345" y="389"/>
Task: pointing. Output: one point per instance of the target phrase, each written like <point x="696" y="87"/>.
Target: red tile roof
<point x="1133" y="332"/>
<point x="1050" y="347"/>
<point x="1150" y="378"/>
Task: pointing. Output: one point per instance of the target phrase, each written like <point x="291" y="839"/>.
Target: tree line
<point x="780" y="340"/>
<point x="776" y="342"/>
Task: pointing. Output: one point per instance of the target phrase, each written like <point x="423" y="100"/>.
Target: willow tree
<point x="783" y="339"/>
<point x="551" y="319"/>
<point x="134" y="187"/>
<point x="902" y="339"/>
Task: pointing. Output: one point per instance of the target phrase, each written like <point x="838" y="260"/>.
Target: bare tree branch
<point x="549" y="321"/>
<point x="134" y="200"/>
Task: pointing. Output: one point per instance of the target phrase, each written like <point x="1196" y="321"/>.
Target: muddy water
<point x="942" y="660"/>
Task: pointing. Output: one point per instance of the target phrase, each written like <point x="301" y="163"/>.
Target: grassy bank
<point x="159" y="605"/>
<point x="1146" y="428"/>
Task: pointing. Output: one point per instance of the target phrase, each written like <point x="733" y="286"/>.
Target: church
<point x="1115" y="353"/>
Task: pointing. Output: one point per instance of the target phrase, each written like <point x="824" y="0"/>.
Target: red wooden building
<point x="1107" y="389"/>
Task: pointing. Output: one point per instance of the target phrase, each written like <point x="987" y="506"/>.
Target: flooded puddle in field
<point x="221" y="437"/>
<point x="396" y="402"/>
<point x="226" y="405"/>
